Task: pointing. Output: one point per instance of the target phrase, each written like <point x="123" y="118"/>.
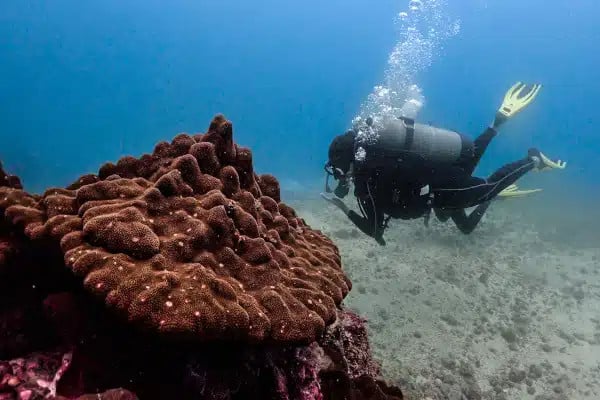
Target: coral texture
<point x="190" y="242"/>
<point x="104" y="356"/>
<point x="185" y="243"/>
<point x="9" y="180"/>
<point x="9" y="244"/>
<point x="35" y="377"/>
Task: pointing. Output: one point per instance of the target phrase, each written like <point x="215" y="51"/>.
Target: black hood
<point x="341" y="151"/>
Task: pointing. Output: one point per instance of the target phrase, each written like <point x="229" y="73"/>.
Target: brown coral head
<point x="221" y="125"/>
<point x="269" y="185"/>
<point x="220" y="133"/>
<point x="10" y="181"/>
<point x="230" y="179"/>
<point x="83" y="180"/>
<point x="188" y="242"/>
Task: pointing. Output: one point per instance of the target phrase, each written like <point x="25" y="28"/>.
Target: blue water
<point x="553" y="43"/>
<point x="82" y="83"/>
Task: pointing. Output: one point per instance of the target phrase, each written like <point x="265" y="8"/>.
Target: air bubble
<point x="415" y="5"/>
<point x="361" y="154"/>
<point x="422" y="30"/>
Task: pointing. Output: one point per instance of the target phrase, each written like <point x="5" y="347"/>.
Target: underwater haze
<point x="507" y="312"/>
<point x="83" y="83"/>
<point x="87" y="82"/>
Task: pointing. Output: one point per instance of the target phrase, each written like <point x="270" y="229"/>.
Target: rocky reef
<point x="177" y="275"/>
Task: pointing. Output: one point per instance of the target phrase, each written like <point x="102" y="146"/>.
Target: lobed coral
<point x="189" y="241"/>
<point x="8" y="180"/>
<point x="37" y="375"/>
<point x="236" y="296"/>
<point x="9" y="244"/>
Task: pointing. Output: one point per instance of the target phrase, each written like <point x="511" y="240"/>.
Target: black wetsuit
<point x="396" y="183"/>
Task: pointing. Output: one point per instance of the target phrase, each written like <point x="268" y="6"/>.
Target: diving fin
<point x="515" y="101"/>
<point x="545" y="163"/>
<point x="513" y="191"/>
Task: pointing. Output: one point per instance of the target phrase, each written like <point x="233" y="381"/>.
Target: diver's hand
<point x="336" y="202"/>
<point x="515" y="101"/>
<point x="342" y="189"/>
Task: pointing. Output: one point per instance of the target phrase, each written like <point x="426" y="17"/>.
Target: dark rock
<point x="517" y="376"/>
<point x="535" y="371"/>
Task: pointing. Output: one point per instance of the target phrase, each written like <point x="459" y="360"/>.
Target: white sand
<point x="511" y="311"/>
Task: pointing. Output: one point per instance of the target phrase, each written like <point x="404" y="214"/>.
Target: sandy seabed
<point x="511" y="311"/>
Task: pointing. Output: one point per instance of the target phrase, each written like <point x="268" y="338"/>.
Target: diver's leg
<point x="442" y="215"/>
<point x="464" y="192"/>
<point x="467" y="223"/>
<point x="472" y="191"/>
<point x="480" y="145"/>
<point x="515" y="100"/>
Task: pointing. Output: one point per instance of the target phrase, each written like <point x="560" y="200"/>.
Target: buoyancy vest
<point x="401" y="162"/>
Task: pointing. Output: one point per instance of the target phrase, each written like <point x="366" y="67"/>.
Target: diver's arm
<point x="371" y="223"/>
<point x="368" y="225"/>
<point x="342" y="188"/>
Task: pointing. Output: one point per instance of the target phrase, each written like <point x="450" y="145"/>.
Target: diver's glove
<point x="515" y="101"/>
<point x="342" y="189"/>
<point x="543" y="163"/>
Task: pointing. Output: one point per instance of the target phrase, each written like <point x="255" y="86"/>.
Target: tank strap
<point x="409" y="123"/>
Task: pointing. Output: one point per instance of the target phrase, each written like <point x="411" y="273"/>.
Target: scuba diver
<point x="405" y="170"/>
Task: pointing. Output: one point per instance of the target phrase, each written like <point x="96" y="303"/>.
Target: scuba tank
<point x="405" y="137"/>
